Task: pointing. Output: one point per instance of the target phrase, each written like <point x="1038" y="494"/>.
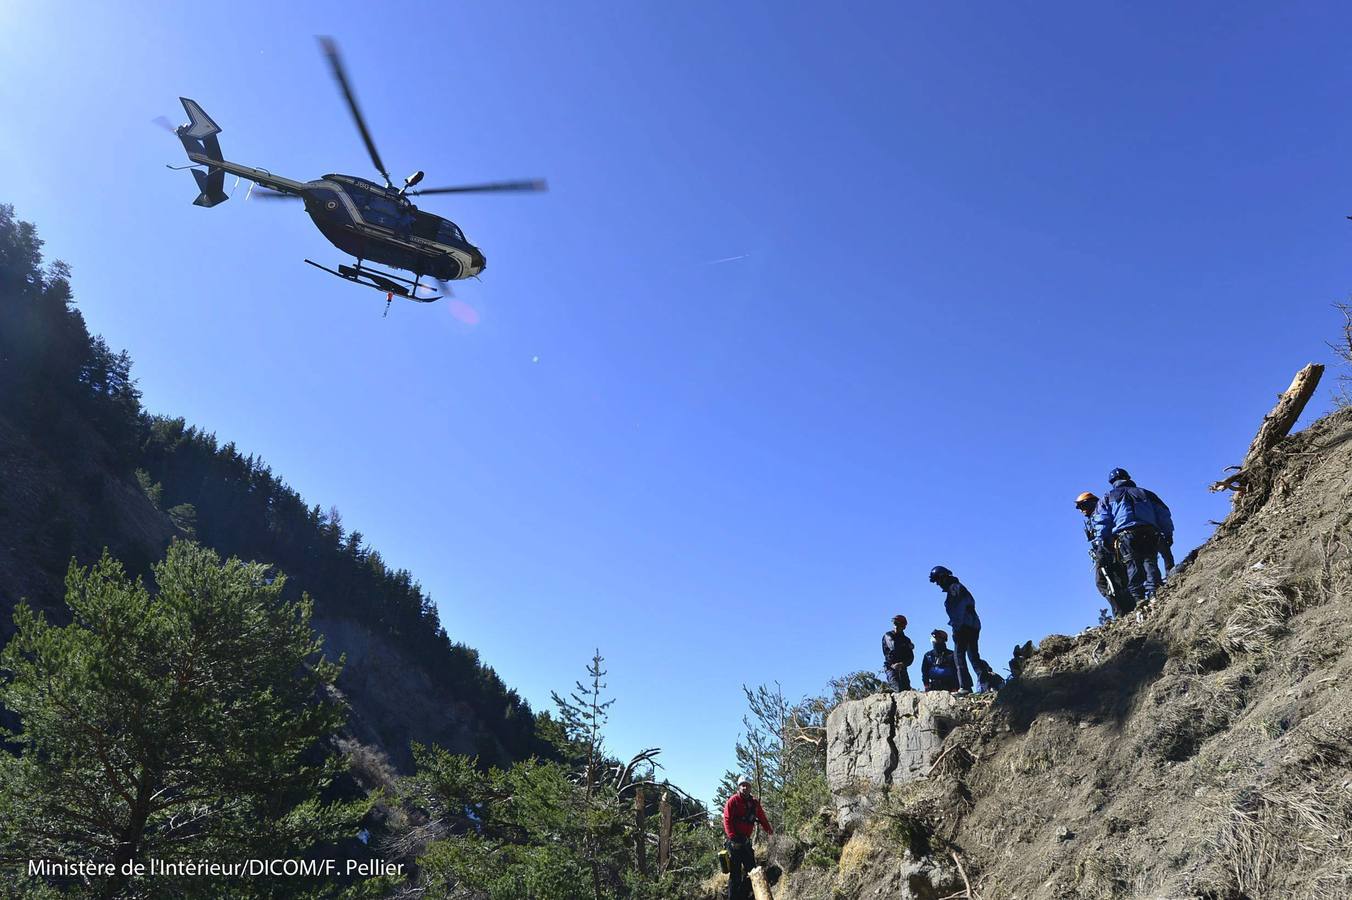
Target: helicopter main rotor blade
<point x="340" y="75"/>
<point x="535" y="184"/>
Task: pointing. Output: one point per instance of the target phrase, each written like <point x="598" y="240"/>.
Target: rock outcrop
<point x="881" y="741"/>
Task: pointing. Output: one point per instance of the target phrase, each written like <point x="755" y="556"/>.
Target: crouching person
<point x="939" y="669"/>
<point x="740" y="815"/>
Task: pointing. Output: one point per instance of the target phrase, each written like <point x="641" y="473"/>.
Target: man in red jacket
<point x="740" y="816"/>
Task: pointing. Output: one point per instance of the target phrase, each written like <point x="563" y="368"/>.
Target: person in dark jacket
<point x="988" y="678"/>
<point x="962" y="618"/>
<point x="1110" y="576"/>
<point x="898" y="653"/>
<point x="1166" y="555"/>
<point x="939" y="670"/>
<point x="1132" y="520"/>
<point x="740" y="815"/>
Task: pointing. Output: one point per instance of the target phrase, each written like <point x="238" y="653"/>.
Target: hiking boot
<point x="964" y="692"/>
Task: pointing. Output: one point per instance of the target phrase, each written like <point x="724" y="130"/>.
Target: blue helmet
<point x="939" y="572"/>
<point x="1118" y="474"/>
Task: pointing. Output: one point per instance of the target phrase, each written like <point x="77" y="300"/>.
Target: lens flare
<point x="464" y="312"/>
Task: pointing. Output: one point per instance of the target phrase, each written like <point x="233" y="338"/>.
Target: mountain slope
<point x="1204" y="751"/>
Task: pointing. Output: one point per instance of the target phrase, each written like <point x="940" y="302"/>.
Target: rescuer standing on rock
<point x="1109" y="575"/>
<point x="939" y="670"/>
<point x="963" y="620"/>
<point x="740" y="815"/>
<point x="1134" y="520"/>
<point x="898" y="653"/>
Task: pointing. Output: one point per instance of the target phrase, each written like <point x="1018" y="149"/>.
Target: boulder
<point x="883" y="740"/>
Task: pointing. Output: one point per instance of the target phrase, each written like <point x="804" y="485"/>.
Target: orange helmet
<point x="1084" y="498"/>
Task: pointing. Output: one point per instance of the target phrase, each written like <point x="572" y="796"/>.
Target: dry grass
<point x="369" y="765"/>
<point x="858" y="851"/>
<point x="1267" y="598"/>
<point x="1190" y="709"/>
<point x="1333" y="582"/>
<point x="1292" y="837"/>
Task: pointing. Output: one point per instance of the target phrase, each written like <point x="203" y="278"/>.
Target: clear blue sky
<point x="990" y="252"/>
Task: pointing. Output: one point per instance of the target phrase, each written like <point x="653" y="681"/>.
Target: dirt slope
<point x="1204" y="751"/>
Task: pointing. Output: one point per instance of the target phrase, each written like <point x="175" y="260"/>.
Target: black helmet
<point x="1118" y="474"/>
<point x="939" y="572"/>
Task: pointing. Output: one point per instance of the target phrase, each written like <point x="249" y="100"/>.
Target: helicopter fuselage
<point x="378" y="224"/>
<point x="374" y="223"/>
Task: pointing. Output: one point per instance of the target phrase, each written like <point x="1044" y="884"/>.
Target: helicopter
<point x="358" y="216"/>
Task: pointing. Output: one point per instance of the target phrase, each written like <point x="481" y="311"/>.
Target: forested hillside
<point x="87" y="468"/>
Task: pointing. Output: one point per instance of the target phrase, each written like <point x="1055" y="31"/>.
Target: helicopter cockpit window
<point x="449" y="232"/>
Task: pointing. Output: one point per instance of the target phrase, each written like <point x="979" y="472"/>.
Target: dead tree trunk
<point x="759" y="885"/>
<point x="664" y="835"/>
<point x="1251" y="480"/>
<point x="640" y="832"/>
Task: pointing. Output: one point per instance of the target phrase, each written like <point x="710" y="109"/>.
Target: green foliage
<point x="48" y="361"/>
<point x="154" y="492"/>
<point x="184" y="517"/>
<point x="783" y="750"/>
<point x="582" y="718"/>
<point x="184" y="724"/>
<point x="554" y="830"/>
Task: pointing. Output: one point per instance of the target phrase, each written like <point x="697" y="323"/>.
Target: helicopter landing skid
<point x="392" y="285"/>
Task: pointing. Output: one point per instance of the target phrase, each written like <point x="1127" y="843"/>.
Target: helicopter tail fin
<point x="199" y="140"/>
<point x="212" y="187"/>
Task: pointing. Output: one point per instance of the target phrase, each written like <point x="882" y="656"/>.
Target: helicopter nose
<point x="477" y="260"/>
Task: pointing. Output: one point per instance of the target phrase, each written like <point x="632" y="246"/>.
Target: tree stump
<point x="760" y="887"/>
<point x="664" y="834"/>
<point x="640" y="832"/>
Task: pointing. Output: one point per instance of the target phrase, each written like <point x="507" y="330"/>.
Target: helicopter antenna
<point x="340" y="75"/>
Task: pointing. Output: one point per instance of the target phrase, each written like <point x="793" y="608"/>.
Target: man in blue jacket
<point x="1134" y="521"/>
<point x="938" y="669"/>
<point x="963" y="620"/>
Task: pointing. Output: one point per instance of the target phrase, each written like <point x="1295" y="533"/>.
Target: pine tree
<point x="182" y="724"/>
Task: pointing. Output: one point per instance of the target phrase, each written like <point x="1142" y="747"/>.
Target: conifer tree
<point x="179" y="724"/>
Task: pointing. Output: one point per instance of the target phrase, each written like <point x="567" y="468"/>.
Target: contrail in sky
<point x="726" y="259"/>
